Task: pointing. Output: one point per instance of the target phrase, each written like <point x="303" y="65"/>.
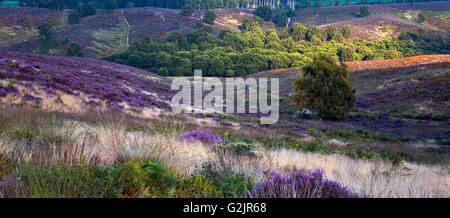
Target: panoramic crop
<point x="290" y="99"/>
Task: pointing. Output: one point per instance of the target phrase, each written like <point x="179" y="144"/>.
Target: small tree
<point x="163" y="71"/>
<point x="325" y="88"/>
<point x="280" y="20"/>
<point x="45" y="31"/>
<point x="346" y="31"/>
<point x="75" y="50"/>
<point x="291" y="13"/>
<point x="187" y="10"/>
<point x="421" y="17"/>
<point x="307" y="4"/>
<point x="317" y="4"/>
<point x="364" y="11"/>
<point x="110" y="5"/>
<point x="264" y="12"/>
<point x="73" y="18"/>
<point x="209" y="17"/>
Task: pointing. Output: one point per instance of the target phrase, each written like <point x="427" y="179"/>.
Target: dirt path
<point x="125" y="31"/>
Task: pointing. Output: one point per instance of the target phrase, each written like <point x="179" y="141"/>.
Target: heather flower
<point x="300" y="184"/>
<point x="28" y="97"/>
<point x="205" y="136"/>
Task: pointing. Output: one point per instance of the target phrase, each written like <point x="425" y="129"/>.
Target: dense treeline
<point x="199" y="4"/>
<point x="253" y="50"/>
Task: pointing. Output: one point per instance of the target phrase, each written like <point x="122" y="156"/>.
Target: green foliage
<point x="364" y="11"/>
<point x="317" y="4"/>
<point x="209" y="17"/>
<point x="75" y="50"/>
<point x="253" y="50"/>
<point x="421" y="17"/>
<point x="264" y="12"/>
<point x="187" y="10"/>
<point x="69" y="182"/>
<point x="45" y="31"/>
<point x="24" y="134"/>
<point x="236" y="149"/>
<point x="325" y="88"/>
<point x="163" y="71"/>
<point x="110" y="5"/>
<point x="307" y="4"/>
<point x="198" y="187"/>
<point x="346" y="31"/>
<point x="73" y="18"/>
<point x="86" y="10"/>
<point x="143" y="179"/>
<point x="280" y="19"/>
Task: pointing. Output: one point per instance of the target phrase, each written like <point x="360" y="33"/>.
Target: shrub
<point x="73" y="18"/>
<point x="364" y="11"/>
<point x="205" y="136"/>
<point x="325" y="88"/>
<point x="45" y="31"/>
<point x="280" y="20"/>
<point x="198" y="187"/>
<point x="264" y="12"/>
<point x="300" y="184"/>
<point x="421" y="17"/>
<point x="346" y="31"/>
<point x="209" y="17"/>
<point x="237" y="149"/>
<point x="75" y="50"/>
<point x="187" y="10"/>
<point x="163" y="71"/>
<point x="143" y="179"/>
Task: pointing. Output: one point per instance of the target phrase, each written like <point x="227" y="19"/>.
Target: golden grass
<point x="107" y="141"/>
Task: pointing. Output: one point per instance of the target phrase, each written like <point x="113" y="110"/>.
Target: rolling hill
<point x="106" y="32"/>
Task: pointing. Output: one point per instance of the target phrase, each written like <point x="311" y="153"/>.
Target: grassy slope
<point x="104" y="33"/>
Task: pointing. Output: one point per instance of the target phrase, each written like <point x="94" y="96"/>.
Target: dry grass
<point x="105" y="141"/>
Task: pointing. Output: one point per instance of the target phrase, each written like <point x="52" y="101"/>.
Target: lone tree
<point x="75" y="50"/>
<point x="364" y="11"/>
<point x="324" y="88"/>
<point x="45" y="31"/>
<point x="264" y="12"/>
<point x="281" y="20"/>
<point x="421" y="17"/>
<point x="73" y="18"/>
<point x="187" y="10"/>
<point x="209" y="17"/>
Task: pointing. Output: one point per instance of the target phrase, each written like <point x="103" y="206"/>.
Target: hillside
<point x="106" y="33"/>
<point x="410" y="87"/>
<point x="64" y="83"/>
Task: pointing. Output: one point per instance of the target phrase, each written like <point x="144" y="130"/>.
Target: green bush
<point x="264" y="12"/>
<point x="364" y="11"/>
<point x="325" y="88"/>
<point x="209" y="17"/>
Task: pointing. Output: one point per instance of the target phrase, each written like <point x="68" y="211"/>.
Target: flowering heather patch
<point x="98" y="79"/>
<point x="29" y="16"/>
<point x="393" y="63"/>
<point x="205" y="136"/>
<point x="300" y="184"/>
<point x="8" y="89"/>
<point x="28" y="97"/>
